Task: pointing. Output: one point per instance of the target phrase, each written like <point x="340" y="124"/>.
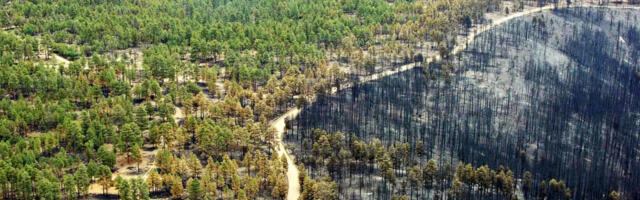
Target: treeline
<point x="357" y="165"/>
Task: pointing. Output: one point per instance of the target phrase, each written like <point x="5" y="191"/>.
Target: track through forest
<point x="57" y="59"/>
<point x="293" y="191"/>
<point x="280" y="123"/>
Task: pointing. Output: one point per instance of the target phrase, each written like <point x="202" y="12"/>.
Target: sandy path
<point x="9" y="28"/>
<point x="60" y="60"/>
<point x="292" y="170"/>
<point x="56" y="58"/>
<point x="279" y="124"/>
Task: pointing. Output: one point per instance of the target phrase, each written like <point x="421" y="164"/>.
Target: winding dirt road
<point x="292" y="170"/>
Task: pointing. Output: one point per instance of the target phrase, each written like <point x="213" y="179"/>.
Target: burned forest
<point x="543" y="106"/>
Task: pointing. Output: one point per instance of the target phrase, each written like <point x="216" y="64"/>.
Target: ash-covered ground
<point x="556" y="93"/>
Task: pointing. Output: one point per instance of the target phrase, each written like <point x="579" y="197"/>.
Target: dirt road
<point x="292" y="170"/>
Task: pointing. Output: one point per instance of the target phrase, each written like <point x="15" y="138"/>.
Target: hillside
<point x="550" y="94"/>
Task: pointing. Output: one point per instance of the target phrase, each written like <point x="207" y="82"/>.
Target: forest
<point x="560" y="122"/>
<point x="164" y="99"/>
<point x="159" y="99"/>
